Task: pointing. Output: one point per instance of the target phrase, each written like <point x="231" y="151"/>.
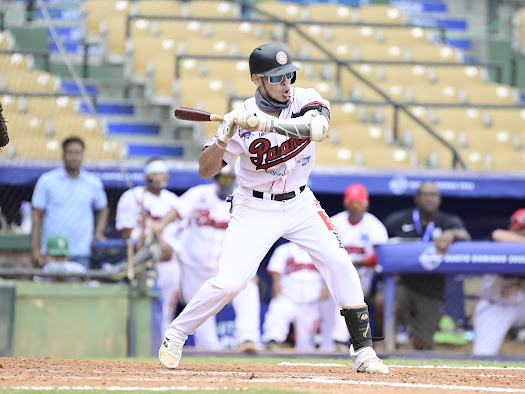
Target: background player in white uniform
<point x="137" y="209"/>
<point x="359" y="231"/>
<point x="203" y="237"/>
<point x="502" y="299"/>
<point x="296" y="292"/>
<point x="276" y="156"/>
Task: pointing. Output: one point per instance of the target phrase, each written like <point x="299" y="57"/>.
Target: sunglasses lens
<point x="279" y="78"/>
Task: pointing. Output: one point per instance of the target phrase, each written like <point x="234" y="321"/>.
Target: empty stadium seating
<point x="154" y="45"/>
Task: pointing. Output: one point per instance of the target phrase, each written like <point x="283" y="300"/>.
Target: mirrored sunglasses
<point x="279" y="78"/>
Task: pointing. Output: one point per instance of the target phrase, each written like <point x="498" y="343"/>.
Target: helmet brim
<point x="281" y="70"/>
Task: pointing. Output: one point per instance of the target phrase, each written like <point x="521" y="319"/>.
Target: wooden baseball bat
<point x="196" y="115"/>
<point x="199" y="115"/>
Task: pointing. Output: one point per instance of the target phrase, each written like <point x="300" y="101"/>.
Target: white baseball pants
<point x="255" y="225"/>
<point x="281" y="312"/>
<point x="247" y="307"/>
<point x="492" y="322"/>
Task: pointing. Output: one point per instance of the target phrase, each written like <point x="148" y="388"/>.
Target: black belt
<point x="279" y="197"/>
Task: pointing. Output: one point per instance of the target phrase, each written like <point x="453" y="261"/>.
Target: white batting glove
<point x="250" y="122"/>
<point x="229" y="128"/>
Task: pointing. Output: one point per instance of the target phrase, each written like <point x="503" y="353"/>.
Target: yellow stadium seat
<point x="355" y="136"/>
<point x="84" y="126"/>
<point x="487" y="140"/>
<point x="16" y="61"/>
<point x="30" y="81"/>
<point x="506" y="160"/>
<point x="434" y="53"/>
<point x="329" y="154"/>
<point x="403" y="36"/>
<point x="230" y="31"/>
<point x="241" y="86"/>
<point x="402" y="74"/>
<point x="343" y="114"/>
<point x="206" y="46"/>
<point x="424" y="94"/>
<point x="110" y="15"/>
<point x="351" y="35"/>
<point x="458" y="118"/>
<point x="27" y="126"/>
<point x="6" y="40"/>
<point x="273" y="11"/>
<point x="512" y="119"/>
<point x="331" y="12"/>
<point x="491" y="93"/>
<point x="407" y="122"/>
<point x="212" y="9"/>
<point x="189" y="67"/>
<point x="36" y="147"/>
<point x="384" y="156"/>
<point x="178" y="30"/>
<point x="139" y="28"/>
<point x="460" y="75"/>
<point x="326" y="88"/>
<point x="100" y="148"/>
<point x="289" y="11"/>
<point x="381" y="13"/>
<point x="152" y="51"/>
<point x="226" y="69"/>
<point x="46" y="106"/>
<point x="193" y="91"/>
<point x="475" y="160"/>
<point x="379" y="52"/>
<point x="159" y="7"/>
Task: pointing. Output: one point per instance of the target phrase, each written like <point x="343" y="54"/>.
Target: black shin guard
<point x="358" y="324"/>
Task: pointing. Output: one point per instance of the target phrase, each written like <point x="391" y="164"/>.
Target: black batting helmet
<point x="271" y="60"/>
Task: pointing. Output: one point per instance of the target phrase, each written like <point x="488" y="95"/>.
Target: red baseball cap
<point x="517" y="220"/>
<point x="356" y="192"/>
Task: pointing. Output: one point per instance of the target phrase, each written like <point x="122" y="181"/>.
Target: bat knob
<point x="252" y="121"/>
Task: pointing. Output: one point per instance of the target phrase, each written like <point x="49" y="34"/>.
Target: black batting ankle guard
<point x="358" y="324"/>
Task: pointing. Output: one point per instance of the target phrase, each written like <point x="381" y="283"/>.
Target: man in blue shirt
<point x="69" y="201"/>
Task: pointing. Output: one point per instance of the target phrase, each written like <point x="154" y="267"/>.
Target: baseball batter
<point x="502" y="299"/>
<point x="359" y="231"/>
<point x="137" y="209"/>
<point x="272" y="200"/>
<point x="297" y="287"/>
<point x="203" y="237"/>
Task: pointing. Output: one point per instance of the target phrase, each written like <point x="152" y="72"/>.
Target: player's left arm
<point x="311" y="122"/>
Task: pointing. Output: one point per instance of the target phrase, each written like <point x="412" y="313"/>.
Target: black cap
<point x="271" y="60"/>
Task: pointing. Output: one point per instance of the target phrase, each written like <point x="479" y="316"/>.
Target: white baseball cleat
<point x="170" y="353"/>
<point x="373" y="365"/>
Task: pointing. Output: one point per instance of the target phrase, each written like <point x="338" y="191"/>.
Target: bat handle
<point x="215" y="118"/>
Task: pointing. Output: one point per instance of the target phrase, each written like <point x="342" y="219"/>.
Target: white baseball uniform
<point x="358" y="239"/>
<point x="270" y="164"/>
<point x="298" y="302"/>
<point x="128" y="216"/>
<point x="500" y="308"/>
<point x="203" y="237"/>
